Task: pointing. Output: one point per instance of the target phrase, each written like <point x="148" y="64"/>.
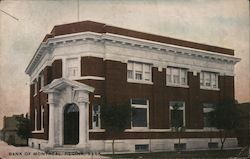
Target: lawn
<point x="184" y="154"/>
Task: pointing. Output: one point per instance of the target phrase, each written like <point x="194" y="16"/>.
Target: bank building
<point x="78" y="65"/>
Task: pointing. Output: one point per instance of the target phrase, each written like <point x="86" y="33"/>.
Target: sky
<point x="222" y="23"/>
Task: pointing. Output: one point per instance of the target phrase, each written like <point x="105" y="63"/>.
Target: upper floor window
<point x="140" y="114"/>
<point x="72" y="67"/>
<point x="176" y="76"/>
<point x="139" y="71"/>
<point x="35" y="87"/>
<point x="41" y="81"/>
<point x="208" y="80"/>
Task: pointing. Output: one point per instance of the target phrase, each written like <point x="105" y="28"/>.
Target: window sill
<point x="209" y="88"/>
<point x="139" y="81"/>
<point x="175" y="85"/>
<point x="210" y="129"/>
<point x="38" y="131"/>
<point x="97" y="130"/>
<point x="136" y="129"/>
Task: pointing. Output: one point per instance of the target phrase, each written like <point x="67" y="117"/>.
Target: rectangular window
<point x="209" y="80"/>
<point x="176" y="76"/>
<point x="72" y="67"/>
<point x="139" y="71"/>
<point x="141" y="148"/>
<point x="35" y="119"/>
<point x="42" y="117"/>
<point x="139" y="108"/>
<point x="96" y="120"/>
<point x="177" y="114"/>
<point x="207" y="109"/>
<point x="35" y="87"/>
<point x="42" y="81"/>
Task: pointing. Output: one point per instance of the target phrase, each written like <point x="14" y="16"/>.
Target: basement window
<point x="141" y="147"/>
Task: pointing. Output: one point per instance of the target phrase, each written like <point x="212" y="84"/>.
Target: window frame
<point x="209" y="107"/>
<point x="42" y="118"/>
<point x="99" y="117"/>
<point x="132" y="72"/>
<point x="35" y="87"/>
<point x="212" y="80"/>
<point x="170" y="76"/>
<point x="139" y="106"/>
<point x="183" y="112"/>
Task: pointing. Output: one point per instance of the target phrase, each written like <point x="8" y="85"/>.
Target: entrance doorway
<point x="71" y="124"/>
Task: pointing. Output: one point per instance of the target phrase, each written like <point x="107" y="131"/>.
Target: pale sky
<point x="222" y="23"/>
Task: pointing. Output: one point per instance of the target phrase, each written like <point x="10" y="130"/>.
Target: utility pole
<point x="78" y="10"/>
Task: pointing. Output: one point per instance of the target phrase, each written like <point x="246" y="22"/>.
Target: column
<point x="83" y="100"/>
<point x="51" y="125"/>
<point x="52" y="100"/>
<point x="82" y="125"/>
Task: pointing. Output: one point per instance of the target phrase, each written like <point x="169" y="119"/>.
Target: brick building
<point x="9" y="131"/>
<point x="79" y="65"/>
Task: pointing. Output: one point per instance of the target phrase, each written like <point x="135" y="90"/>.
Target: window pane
<point x="207" y="77"/>
<point x="176" y="118"/>
<point x="146" y="68"/>
<point x="130" y="74"/>
<point x="139" y="117"/>
<point x="183" y="76"/>
<point x="138" y="75"/>
<point x="130" y="66"/>
<point x="147" y="76"/>
<point x="96" y="116"/>
<point x="202" y="78"/>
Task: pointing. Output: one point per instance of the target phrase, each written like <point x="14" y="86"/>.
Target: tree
<point x="115" y="119"/>
<point x="177" y="121"/>
<point x="225" y="118"/>
<point x="23" y="127"/>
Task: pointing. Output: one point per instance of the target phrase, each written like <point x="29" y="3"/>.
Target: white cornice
<point x="134" y="43"/>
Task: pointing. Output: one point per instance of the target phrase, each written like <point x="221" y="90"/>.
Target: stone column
<point x="83" y="101"/>
<point x="52" y="99"/>
<point x="51" y="125"/>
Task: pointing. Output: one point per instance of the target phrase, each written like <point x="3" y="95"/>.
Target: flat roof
<point x="97" y="27"/>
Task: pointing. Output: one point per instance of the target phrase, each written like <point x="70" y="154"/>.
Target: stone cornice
<point x="107" y="38"/>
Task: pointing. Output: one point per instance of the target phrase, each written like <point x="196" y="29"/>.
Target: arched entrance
<point x="71" y="124"/>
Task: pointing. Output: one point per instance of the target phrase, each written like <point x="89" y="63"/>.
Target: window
<point x="35" y="88"/>
<point x="176" y="76"/>
<point x="139" y="71"/>
<point x="139" y="108"/>
<point x="142" y="147"/>
<point x="42" y="81"/>
<point x="72" y="69"/>
<point x="96" y="120"/>
<point x="209" y="80"/>
<point x="42" y="117"/>
<point x="177" y="114"/>
<point x="207" y="109"/>
<point x="35" y="119"/>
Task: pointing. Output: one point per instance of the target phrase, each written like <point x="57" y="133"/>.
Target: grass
<point x="183" y="154"/>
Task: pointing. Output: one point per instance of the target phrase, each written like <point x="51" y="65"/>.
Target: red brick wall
<point x="56" y="69"/>
<point x="92" y="66"/>
<point x="116" y="90"/>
